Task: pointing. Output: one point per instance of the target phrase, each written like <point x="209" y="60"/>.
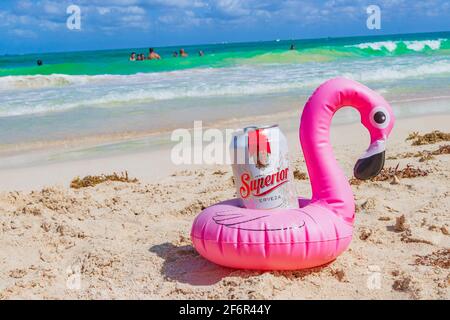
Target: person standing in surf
<point x="152" y="55"/>
<point x="183" y="53"/>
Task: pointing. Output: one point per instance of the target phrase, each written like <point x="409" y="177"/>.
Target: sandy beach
<point x="131" y="240"/>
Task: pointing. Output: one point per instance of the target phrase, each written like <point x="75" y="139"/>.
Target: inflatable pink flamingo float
<point x="321" y="229"/>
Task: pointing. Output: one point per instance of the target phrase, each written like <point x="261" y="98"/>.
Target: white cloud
<point x="52" y="8"/>
<point x="23" y="33"/>
<point x="121" y="3"/>
<point x="176" y="3"/>
<point x="116" y="15"/>
<point x="120" y="10"/>
<point x="103" y="10"/>
<point x="133" y="10"/>
<point x="24" y="4"/>
<point x="233" y="8"/>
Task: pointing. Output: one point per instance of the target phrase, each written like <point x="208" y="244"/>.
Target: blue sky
<point x="40" y="25"/>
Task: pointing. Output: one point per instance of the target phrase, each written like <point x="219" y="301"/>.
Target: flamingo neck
<point x="328" y="182"/>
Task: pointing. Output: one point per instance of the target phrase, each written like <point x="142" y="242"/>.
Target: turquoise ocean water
<point x="78" y="94"/>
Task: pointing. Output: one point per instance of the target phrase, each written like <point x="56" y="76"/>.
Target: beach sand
<point x="131" y="240"/>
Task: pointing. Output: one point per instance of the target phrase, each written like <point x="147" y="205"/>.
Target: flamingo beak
<point x="371" y="163"/>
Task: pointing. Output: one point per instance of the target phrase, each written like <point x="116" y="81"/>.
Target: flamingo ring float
<point x="321" y="228"/>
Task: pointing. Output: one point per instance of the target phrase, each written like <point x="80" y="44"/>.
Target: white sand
<point x="131" y="240"/>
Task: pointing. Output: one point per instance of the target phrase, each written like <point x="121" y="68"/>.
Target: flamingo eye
<point x="379" y="117"/>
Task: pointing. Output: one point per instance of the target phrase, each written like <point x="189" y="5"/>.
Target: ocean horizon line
<point x="226" y="43"/>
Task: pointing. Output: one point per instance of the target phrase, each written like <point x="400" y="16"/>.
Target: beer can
<point x="261" y="170"/>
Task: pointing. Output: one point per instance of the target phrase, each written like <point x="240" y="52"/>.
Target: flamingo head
<point x="379" y="120"/>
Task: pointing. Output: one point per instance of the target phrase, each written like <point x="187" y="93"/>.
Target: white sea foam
<point x="111" y="91"/>
<point x="63" y="80"/>
<point x="53" y="80"/>
<point x="391" y="46"/>
<point x="399" y="72"/>
<point x="420" y="45"/>
<point x="142" y="96"/>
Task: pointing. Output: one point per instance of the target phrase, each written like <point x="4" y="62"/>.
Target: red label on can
<point x="261" y="186"/>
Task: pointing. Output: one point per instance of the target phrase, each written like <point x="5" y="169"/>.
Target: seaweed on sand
<point x="428" y="155"/>
<point x="442" y="150"/>
<point x="299" y="175"/>
<point x="391" y="173"/>
<point x="408" y="172"/>
<point x="423" y="155"/>
<point x="90" y="181"/>
<point x="428" y="138"/>
<point x="440" y="258"/>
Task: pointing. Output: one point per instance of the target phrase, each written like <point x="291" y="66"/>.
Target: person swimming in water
<point x="39" y="62"/>
<point x="183" y="53"/>
<point x="175" y="54"/>
<point x="201" y="53"/>
<point x="292" y="47"/>
<point x="133" y="56"/>
<point x="152" y="55"/>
